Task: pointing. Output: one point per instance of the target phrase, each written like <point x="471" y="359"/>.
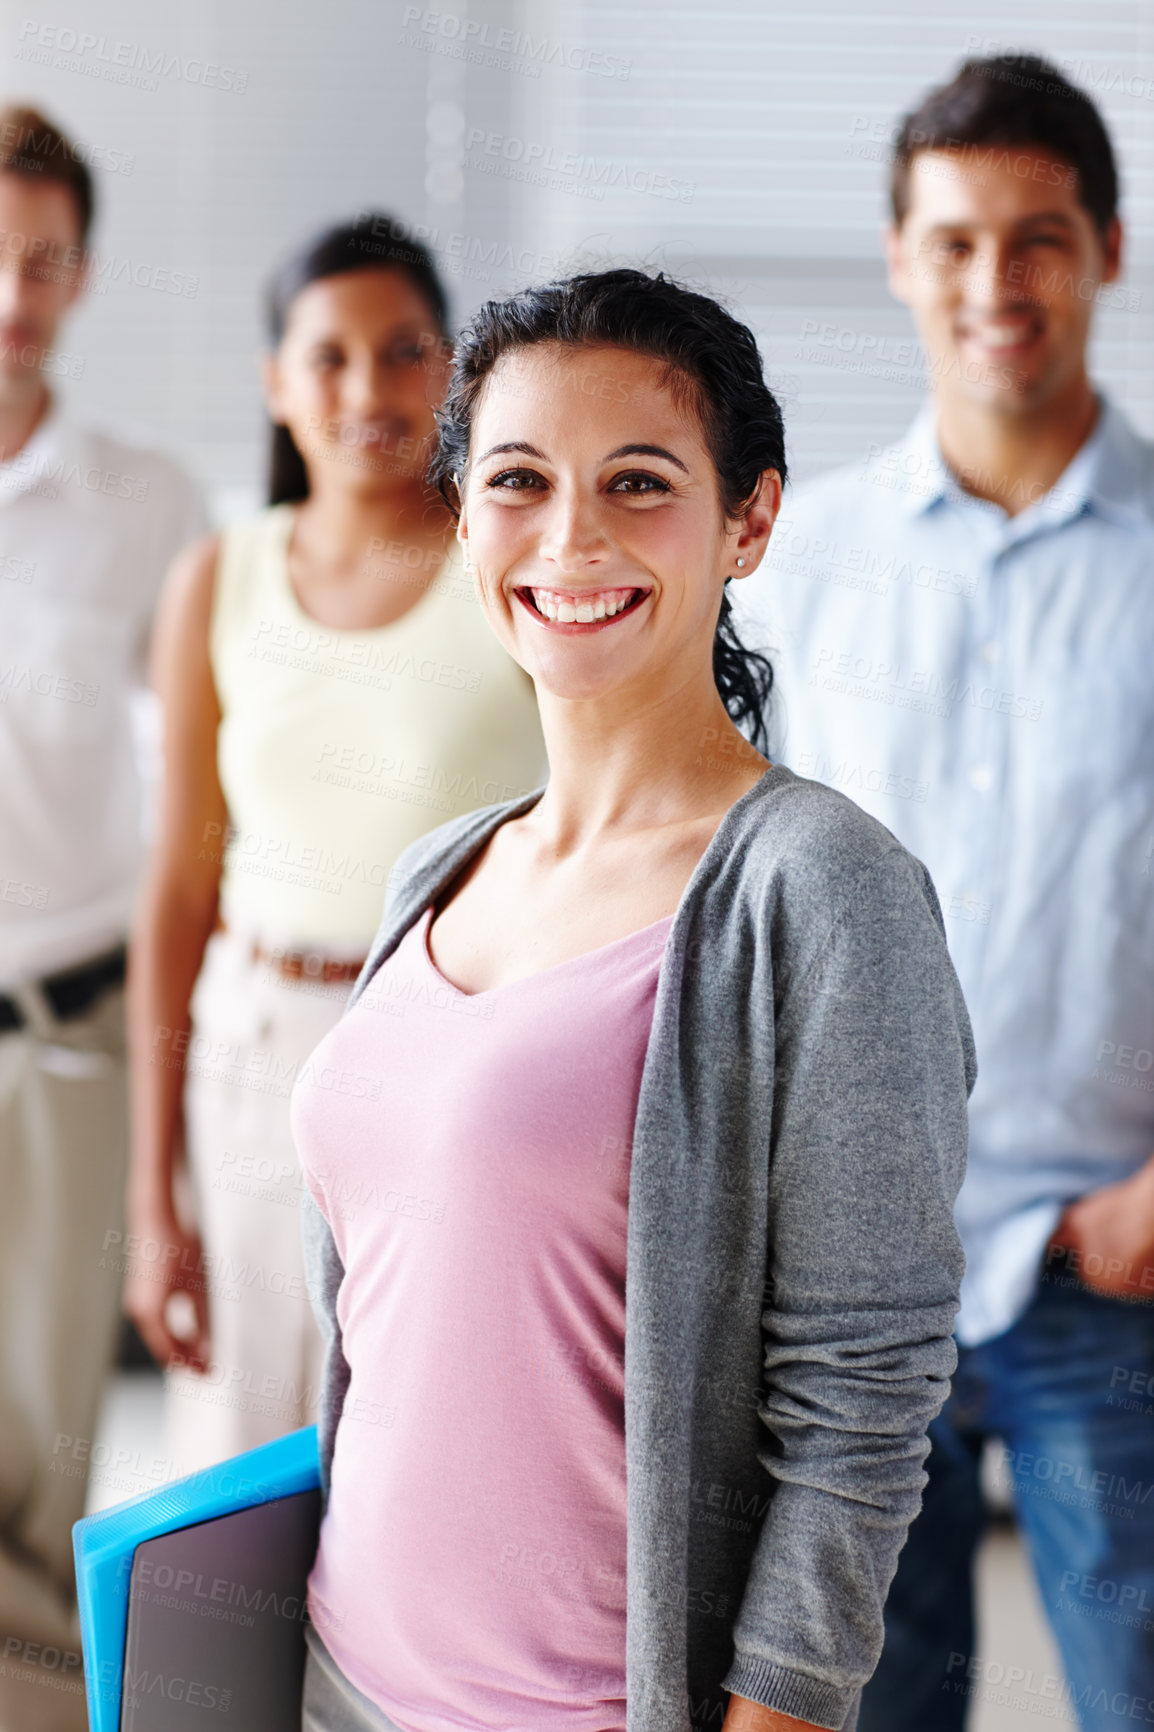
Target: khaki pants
<point x="252" y="1032"/>
<point x="63" y="1156"/>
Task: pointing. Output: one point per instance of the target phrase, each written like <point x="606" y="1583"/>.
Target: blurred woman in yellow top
<point x="329" y="692"/>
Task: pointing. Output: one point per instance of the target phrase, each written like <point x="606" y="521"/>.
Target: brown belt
<point x="307" y="965"/>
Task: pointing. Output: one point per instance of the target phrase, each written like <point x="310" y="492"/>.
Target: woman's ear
<point x="462" y="524"/>
<point x="751" y="536"/>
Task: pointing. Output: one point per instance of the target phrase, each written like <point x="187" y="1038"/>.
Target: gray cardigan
<point x="792" y="1268"/>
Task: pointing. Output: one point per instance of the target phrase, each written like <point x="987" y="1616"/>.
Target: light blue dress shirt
<point x="984" y="685"/>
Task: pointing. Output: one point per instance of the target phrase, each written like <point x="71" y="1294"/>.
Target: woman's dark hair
<point x="1012" y="99"/>
<point x="372" y="241"/>
<point x="709" y="356"/>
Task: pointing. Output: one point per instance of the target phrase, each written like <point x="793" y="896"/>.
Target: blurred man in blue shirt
<point x="964" y="638"/>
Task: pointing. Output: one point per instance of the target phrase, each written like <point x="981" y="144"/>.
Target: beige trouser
<point x="252" y="1032"/>
<point x="63" y="1153"/>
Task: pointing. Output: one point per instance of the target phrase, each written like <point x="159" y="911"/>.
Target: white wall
<point x="740" y="144"/>
<point x="311" y="112"/>
<point x="755" y="138"/>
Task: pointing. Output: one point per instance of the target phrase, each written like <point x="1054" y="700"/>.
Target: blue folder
<point x="192" y="1598"/>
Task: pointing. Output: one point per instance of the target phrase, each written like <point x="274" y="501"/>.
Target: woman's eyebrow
<point x="647" y="451"/>
<point x="513" y="445"/>
<point x="527" y="450"/>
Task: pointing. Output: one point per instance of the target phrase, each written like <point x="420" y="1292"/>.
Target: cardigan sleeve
<point x="324" y="1273"/>
<point x="874" y="1060"/>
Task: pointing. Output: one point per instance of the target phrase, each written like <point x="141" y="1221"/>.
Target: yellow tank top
<point x="338" y="748"/>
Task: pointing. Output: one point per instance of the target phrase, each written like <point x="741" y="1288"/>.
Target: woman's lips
<point x="580" y="610"/>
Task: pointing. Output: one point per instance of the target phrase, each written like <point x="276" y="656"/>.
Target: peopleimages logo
<point x="540" y="164"/>
<point x="478" y="40"/>
<point x="45" y="143"/>
<point x="120" y="62"/>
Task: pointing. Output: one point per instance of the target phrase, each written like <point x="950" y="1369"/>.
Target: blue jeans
<point x="1070" y="1392"/>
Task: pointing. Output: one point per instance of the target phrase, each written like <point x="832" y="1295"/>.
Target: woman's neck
<point x="337" y="529"/>
<point x="360" y="562"/>
<point x="634" y="765"/>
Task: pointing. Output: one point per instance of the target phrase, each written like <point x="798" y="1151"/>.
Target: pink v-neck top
<point x="471" y="1155"/>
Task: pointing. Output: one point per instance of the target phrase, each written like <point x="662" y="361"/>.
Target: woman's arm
<point x="746" y="1716"/>
<point x="176" y="913"/>
<point x="873" y="1063"/>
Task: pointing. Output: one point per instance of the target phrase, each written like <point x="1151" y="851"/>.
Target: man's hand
<point x="1111" y="1235"/>
<point x="746" y="1716"/>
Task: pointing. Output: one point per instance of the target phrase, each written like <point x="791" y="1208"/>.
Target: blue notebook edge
<point x="104" y="1546"/>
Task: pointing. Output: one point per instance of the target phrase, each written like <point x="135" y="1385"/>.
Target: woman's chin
<point x="572" y="684"/>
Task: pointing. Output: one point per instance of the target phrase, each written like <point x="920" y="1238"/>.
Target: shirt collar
<point x="51" y="444"/>
<point x="1112" y="474"/>
<point x="913" y="471"/>
<point x="1120" y="470"/>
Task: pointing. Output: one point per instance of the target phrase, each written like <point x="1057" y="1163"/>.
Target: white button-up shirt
<point x="984" y="685"/>
<point x="88" y="526"/>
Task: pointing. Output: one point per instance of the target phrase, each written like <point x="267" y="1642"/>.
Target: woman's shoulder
<point x="252" y="535"/>
<point x="250" y="555"/>
<point x="805" y="847"/>
<point x="831" y="896"/>
<point x="801" y="816"/>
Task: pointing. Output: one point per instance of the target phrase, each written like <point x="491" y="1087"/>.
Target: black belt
<point x="73" y="991"/>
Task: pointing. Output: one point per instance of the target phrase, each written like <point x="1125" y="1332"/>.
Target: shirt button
<point x="991" y="653"/>
<point x="982" y="778"/>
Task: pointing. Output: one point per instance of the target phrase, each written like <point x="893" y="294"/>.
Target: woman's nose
<point x="365" y="388"/>
<point x="574" y="531"/>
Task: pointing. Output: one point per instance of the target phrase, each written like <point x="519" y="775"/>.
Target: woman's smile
<point x="580" y="610"/>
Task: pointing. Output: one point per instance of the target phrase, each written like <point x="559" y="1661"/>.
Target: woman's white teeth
<point x="580" y="612"/>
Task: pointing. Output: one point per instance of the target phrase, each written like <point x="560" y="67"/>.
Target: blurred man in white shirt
<point x="88" y="524"/>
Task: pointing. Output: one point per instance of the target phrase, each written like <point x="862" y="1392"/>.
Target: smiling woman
<point x="733" y="427"/>
<point x="662" y="1366"/>
<point x="330" y="691"/>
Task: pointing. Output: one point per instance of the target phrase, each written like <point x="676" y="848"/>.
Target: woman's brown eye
<point x="514" y="480"/>
<point x="640" y="484"/>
